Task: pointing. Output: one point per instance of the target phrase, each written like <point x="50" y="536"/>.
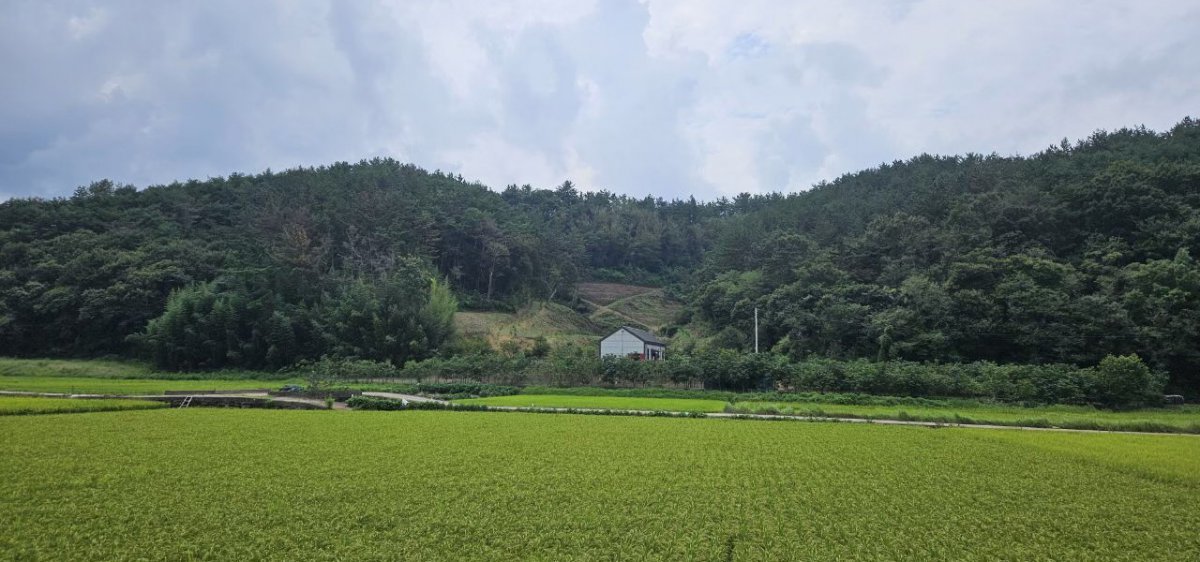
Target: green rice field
<point x="437" y="485"/>
<point x="89" y="385"/>
<point x="22" y="405"/>
<point x="112" y="369"/>
<point x="95" y="376"/>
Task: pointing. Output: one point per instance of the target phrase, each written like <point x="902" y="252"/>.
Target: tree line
<point x="1079" y="252"/>
<point x="258" y="271"/>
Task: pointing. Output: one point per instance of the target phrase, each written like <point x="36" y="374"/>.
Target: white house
<point x="632" y="342"/>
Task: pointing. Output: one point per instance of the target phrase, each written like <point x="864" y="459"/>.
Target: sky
<point x="671" y="98"/>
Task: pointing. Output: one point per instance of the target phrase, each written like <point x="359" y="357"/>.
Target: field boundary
<point x="452" y="406"/>
<point x="251" y="400"/>
<point x="784" y="417"/>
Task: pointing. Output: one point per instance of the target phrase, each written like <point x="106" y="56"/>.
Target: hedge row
<point x="1115" y="382"/>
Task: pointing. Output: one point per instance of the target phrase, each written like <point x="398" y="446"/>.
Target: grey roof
<point x="644" y="335"/>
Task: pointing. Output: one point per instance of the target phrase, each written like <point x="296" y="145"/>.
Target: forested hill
<point x="1064" y="256"/>
<point x="78" y="276"/>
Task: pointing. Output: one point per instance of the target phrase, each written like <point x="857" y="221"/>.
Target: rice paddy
<point x="90" y="385"/>
<point x="325" y="485"/>
<point x="23" y="405"/>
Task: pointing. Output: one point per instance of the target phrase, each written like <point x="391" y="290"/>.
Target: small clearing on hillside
<point x="607" y="293"/>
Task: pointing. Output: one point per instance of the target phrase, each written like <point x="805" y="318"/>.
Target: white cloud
<point x="671" y="97"/>
<point x="83" y="26"/>
<point x="501" y="160"/>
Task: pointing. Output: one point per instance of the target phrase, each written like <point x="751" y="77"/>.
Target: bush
<point x="457" y="390"/>
<point x="372" y="403"/>
<point x="328" y="371"/>
<point x="1124" y="381"/>
<point x="479" y="367"/>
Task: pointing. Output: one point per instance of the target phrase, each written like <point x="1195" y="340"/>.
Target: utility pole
<point x="756" y="329"/>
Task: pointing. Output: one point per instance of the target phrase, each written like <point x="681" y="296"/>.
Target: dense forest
<point x="1080" y="251"/>
<point x="1077" y="252"/>
<point x="269" y="269"/>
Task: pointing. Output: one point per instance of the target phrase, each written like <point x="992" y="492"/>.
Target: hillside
<point x="1068" y="255"/>
<point x="614" y="304"/>
<point x="84" y="276"/>
<point x="605" y="306"/>
<point x="1078" y="252"/>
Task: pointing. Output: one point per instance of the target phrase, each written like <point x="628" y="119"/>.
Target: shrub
<point x="1124" y="381"/>
<point x="334" y="368"/>
<point x="457" y="390"/>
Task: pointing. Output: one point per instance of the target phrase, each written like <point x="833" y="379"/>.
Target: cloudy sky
<point x="674" y="98"/>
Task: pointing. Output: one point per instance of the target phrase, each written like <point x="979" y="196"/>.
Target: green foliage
<point x="79" y="276"/>
<point x="394" y="316"/>
<point x="341" y="369"/>
<point x="455" y="390"/>
<point x="338" y="484"/>
<point x="1061" y="258"/>
<point x="1067" y="256"/>
<point x="375" y="403"/>
<point x="1126" y="381"/>
<point x="765" y="372"/>
<point x="490" y="367"/>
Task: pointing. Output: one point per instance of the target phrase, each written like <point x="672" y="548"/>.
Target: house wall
<point x="650" y="348"/>
<point x="621" y="343"/>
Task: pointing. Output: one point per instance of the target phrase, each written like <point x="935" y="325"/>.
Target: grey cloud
<point x="701" y="99"/>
